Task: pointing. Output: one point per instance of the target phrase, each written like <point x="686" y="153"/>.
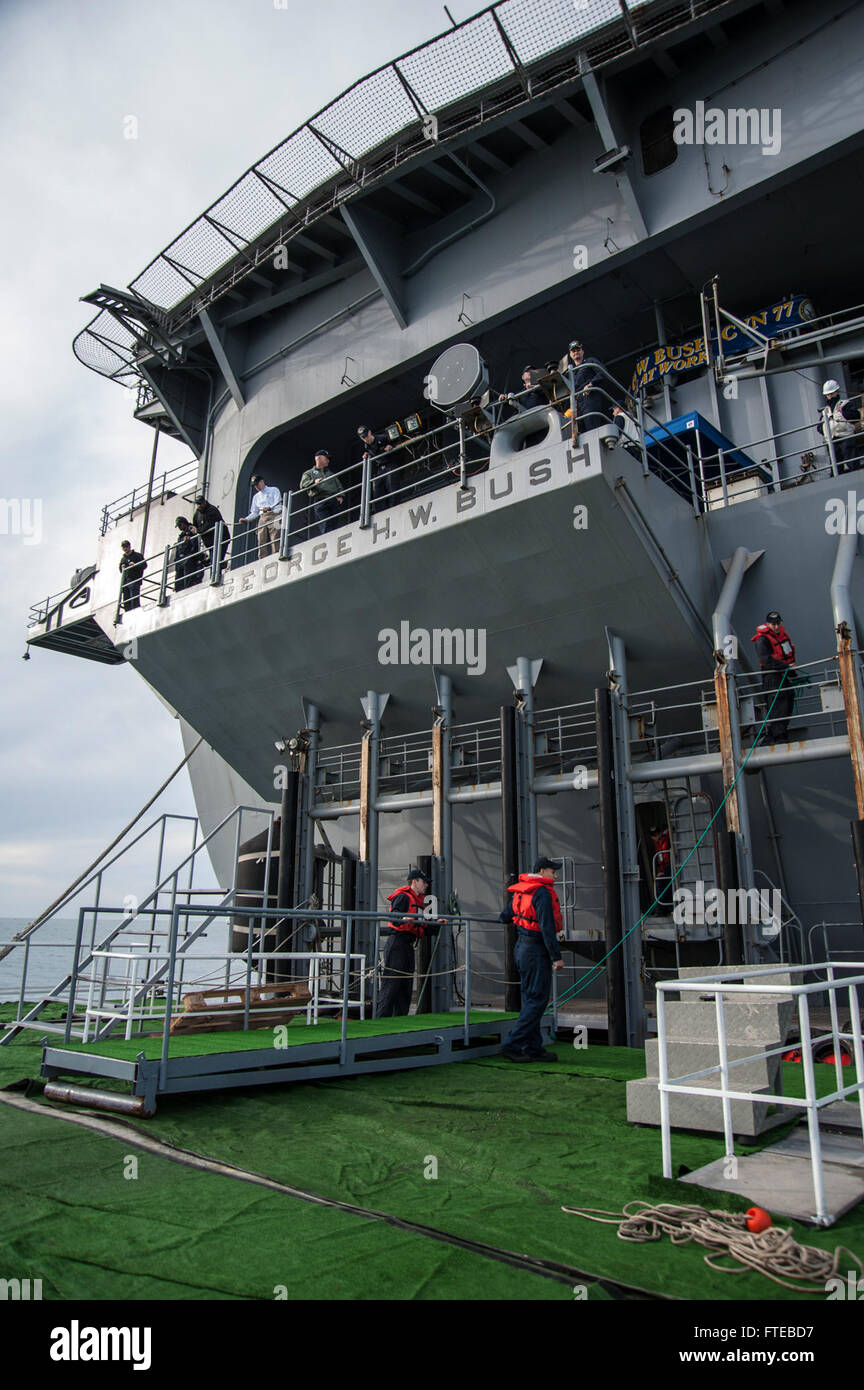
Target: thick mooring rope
<point x="774" y="1253"/>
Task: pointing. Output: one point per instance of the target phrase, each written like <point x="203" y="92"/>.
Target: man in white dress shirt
<point x="267" y="508"/>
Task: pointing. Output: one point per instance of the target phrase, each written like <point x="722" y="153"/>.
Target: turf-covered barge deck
<point x="213" y="1061"/>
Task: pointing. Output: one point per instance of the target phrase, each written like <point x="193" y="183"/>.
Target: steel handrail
<point x="152" y="898"/>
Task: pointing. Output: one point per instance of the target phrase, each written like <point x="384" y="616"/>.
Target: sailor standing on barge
<point x="397" y="981"/>
<point x="536" y="912"/>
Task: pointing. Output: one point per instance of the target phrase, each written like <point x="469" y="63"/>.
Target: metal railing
<point x="99" y="1002"/>
<point x="452" y="451"/>
<point x="686" y="714"/>
<point x="172" y="482"/>
<point x="745" y="984"/>
<point x="448" y="453"/>
<point x="813" y="451"/>
<point x="175" y="884"/>
<point x="53" y="604"/>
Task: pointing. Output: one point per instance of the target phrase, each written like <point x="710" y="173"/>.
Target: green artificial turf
<point x="77" y="1214"/>
<point x="257" y="1039"/>
<point x="510" y="1144"/>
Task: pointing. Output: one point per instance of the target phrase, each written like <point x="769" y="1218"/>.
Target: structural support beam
<point x="847" y="655"/>
<point x="728" y="722"/>
<point x="380" y="244"/>
<point x="848" y="662"/>
<point x="415" y="199"/>
<point x="374" y="705"/>
<point x="493" y="160"/>
<point x="296" y="288"/>
<point x="232" y="381"/>
<point x="570" y="114"/>
<point x="509" y="849"/>
<point x="616" y="993"/>
<point x="311" y="736"/>
<point x="285" y="890"/>
<point x="440" y="982"/>
<point x="524" y="677"/>
<point x="607" y="135"/>
<point x="534" y="142"/>
<point x="631" y="913"/>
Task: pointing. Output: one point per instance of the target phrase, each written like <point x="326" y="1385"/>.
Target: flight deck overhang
<point x="501" y="85"/>
<point x="531" y="558"/>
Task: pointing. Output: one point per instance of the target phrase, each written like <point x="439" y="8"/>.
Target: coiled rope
<point x="775" y="1252"/>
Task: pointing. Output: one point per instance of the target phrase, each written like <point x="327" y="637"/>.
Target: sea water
<point x="50" y="957"/>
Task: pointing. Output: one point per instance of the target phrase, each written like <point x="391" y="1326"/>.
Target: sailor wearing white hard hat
<point x="842" y="423"/>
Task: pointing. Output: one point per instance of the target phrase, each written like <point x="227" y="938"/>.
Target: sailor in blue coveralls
<point x="536" y="912"/>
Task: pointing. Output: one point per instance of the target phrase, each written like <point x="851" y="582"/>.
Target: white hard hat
<point x="831" y="387"/>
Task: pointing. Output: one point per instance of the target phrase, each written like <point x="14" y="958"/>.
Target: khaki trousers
<point x="269" y="527"/>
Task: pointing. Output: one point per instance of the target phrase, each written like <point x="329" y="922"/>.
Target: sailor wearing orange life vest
<point x="776" y="657"/>
<point x="536" y="913"/>
<point x="406" y="929"/>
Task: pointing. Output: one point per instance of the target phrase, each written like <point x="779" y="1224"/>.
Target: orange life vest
<point x="415" y="906"/>
<point x="662" y="846"/>
<point x="524" y="911"/>
<point x="781" y="646"/>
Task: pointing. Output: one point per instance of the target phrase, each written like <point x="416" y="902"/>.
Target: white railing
<point x="746" y="983"/>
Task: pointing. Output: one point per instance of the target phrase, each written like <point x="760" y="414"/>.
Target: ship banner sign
<point x="684" y="357"/>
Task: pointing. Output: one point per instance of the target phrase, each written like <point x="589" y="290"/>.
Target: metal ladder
<point x="689" y="814"/>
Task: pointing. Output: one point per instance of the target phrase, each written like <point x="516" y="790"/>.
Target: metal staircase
<point x="116" y="978"/>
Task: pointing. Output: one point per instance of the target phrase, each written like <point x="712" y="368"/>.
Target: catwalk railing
<point x="179" y="481"/>
<point x="448" y="454"/>
<point x="483" y="68"/>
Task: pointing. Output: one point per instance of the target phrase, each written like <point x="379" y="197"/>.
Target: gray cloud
<point x="213" y="85"/>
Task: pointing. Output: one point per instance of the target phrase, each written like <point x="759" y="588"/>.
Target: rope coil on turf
<point x="774" y="1253"/>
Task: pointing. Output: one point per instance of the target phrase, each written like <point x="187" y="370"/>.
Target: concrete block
<point x="692" y="1112"/>
<point x="682" y="1058"/>
<point x="763" y="1019"/>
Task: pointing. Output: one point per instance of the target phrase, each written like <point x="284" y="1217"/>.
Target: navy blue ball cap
<point x="417" y="873"/>
<point x="545" y="863"/>
<point x="325" y="452"/>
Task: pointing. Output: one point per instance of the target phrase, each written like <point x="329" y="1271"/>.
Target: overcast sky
<point x="213" y="85"/>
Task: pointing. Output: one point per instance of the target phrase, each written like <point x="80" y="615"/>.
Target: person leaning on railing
<point x="592" y="408"/>
<point x="530" y="397"/>
<point x="206" y="519"/>
<point x="375" y="447"/>
<point x="324" y="490"/>
<point x="189" y="555"/>
<point x="267" y="510"/>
